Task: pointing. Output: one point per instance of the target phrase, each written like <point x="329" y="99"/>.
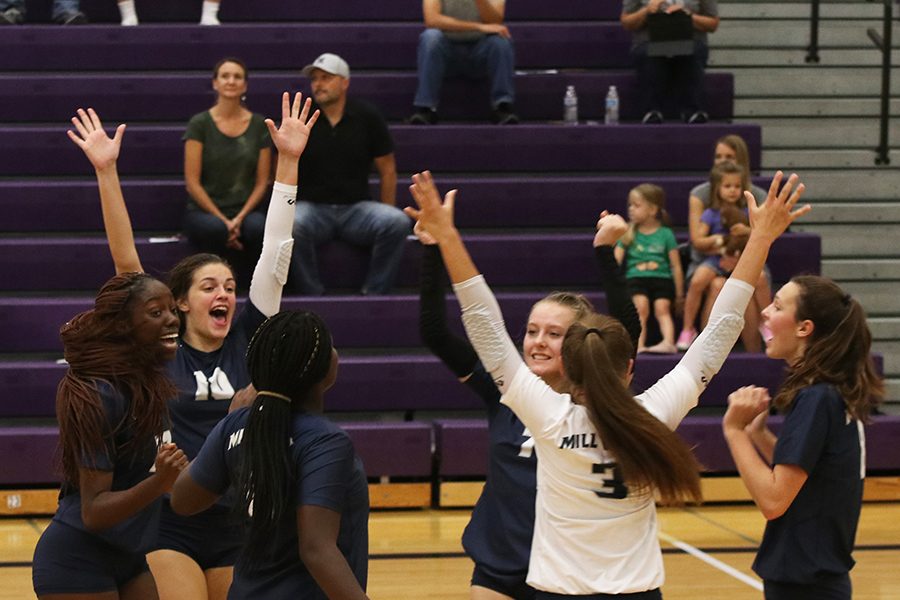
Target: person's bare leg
<point x="178" y="576"/>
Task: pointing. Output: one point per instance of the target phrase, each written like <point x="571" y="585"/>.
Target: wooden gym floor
<point x="417" y="553"/>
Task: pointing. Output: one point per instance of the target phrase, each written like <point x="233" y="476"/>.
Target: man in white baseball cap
<point x="334" y="199"/>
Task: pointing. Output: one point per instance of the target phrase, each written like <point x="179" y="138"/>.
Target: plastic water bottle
<point x="570" y="106"/>
<point x="612" y="106"/>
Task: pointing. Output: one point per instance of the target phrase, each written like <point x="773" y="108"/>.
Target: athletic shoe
<point x="11" y="16"/>
<point x="423" y="116"/>
<point x="698" y="118"/>
<point x="72" y="18"/>
<point x="504" y="114"/>
<point x="686" y="338"/>
<point x="654" y="117"/>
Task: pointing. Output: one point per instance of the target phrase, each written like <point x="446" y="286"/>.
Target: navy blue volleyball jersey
<point x="815" y="535"/>
<point x="330" y="475"/>
<point x="207" y="381"/>
<point x="138" y="532"/>
<point x="499" y="532"/>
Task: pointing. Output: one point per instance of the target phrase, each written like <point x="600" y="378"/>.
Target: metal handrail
<point x="883" y="42"/>
<point x="812" y="51"/>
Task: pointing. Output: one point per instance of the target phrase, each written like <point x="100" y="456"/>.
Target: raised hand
<point x="291" y="137"/>
<point x="100" y="149"/>
<point x="425" y="238"/>
<point x="778" y="212"/>
<point x="435" y="216"/>
<point x="610" y="227"/>
<point x="170" y="461"/>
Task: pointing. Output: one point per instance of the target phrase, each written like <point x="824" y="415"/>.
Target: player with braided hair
<point x="111" y="408"/>
<point x="296" y="473"/>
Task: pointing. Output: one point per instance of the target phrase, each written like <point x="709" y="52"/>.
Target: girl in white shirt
<point x="601" y="456"/>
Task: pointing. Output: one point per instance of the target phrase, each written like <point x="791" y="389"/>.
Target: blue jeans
<point x="207" y="232"/>
<point x="364" y="223"/>
<point x="61" y="8"/>
<point x="439" y="57"/>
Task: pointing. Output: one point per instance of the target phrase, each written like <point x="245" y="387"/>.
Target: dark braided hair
<point x="288" y="355"/>
<point x="99" y="344"/>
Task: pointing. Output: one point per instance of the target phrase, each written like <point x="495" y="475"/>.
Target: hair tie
<point x="593" y="330"/>
<point x="846" y="299"/>
<point x="274" y="395"/>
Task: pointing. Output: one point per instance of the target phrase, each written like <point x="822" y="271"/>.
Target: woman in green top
<point x="227" y="160"/>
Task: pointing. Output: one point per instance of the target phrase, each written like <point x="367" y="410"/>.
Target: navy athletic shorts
<point x="212" y="538"/>
<point x="835" y="587"/>
<point x="512" y="585"/>
<point x="71" y="561"/>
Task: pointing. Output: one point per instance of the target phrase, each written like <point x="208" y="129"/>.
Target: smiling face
<point x="542" y="346"/>
<point x="209" y="306"/>
<point x="787" y="336"/>
<point x="230" y="80"/>
<point x="155" y="320"/>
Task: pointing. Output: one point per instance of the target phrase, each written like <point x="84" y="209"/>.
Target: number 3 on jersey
<point x="613" y="486"/>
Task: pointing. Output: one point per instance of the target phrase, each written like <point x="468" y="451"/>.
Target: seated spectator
<point x="680" y="74"/>
<point x="464" y="38"/>
<point x="227" y="162"/>
<point x="334" y="201"/>
<point x="65" y="12"/>
<point x="729" y="148"/>
<point x="209" y="16"/>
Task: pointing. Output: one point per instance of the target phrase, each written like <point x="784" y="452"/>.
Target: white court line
<point x="714" y="562"/>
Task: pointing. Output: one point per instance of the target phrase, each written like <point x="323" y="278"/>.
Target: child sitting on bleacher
<point x="726" y="190"/>
<point x="653" y="266"/>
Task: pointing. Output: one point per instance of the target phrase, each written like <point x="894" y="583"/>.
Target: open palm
<point x="293" y="134"/>
<point x="100" y="149"/>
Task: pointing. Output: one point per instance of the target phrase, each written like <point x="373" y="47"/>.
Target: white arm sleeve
<point x="670" y="398"/>
<point x="484" y="325"/>
<point x="271" y="270"/>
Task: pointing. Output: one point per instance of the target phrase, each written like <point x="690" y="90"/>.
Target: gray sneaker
<point x="12" y="16"/>
<point x="72" y="18"/>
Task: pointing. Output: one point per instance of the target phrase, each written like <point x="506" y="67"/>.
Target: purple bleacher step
<point x="550" y="260"/>
<point x="133" y="97"/>
<point x="386" y="449"/>
<point x="399" y="383"/>
<point x="171" y="11"/>
<point x="541" y="148"/>
<point x="32" y="324"/>
<point x="574" y="44"/>
<point x="462" y="444"/>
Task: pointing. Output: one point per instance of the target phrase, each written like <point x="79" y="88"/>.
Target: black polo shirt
<point x="335" y="167"/>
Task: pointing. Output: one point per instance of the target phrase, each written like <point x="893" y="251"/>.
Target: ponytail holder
<point x="274" y="395"/>
<point x="593" y="330"/>
<point x="847" y="299"/>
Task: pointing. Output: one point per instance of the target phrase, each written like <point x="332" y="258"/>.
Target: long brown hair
<point x="99" y="344"/>
<point x="837" y="352"/>
<point x="596" y="351"/>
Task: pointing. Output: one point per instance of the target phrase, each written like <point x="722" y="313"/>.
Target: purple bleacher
<point x="233" y="11"/>
<point x="386" y="449"/>
<point x="883" y="443"/>
<point x="577" y="44"/>
<point x="461" y="447"/>
<point x="552" y="259"/>
<point x="392" y="449"/>
<point x="32" y="324"/>
<point x="441" y="148"/>
<point x="489" y="202"/>
<point x="398" y="383"/>
<point x="176" y="96"/>
<point x="29" y="455"/>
